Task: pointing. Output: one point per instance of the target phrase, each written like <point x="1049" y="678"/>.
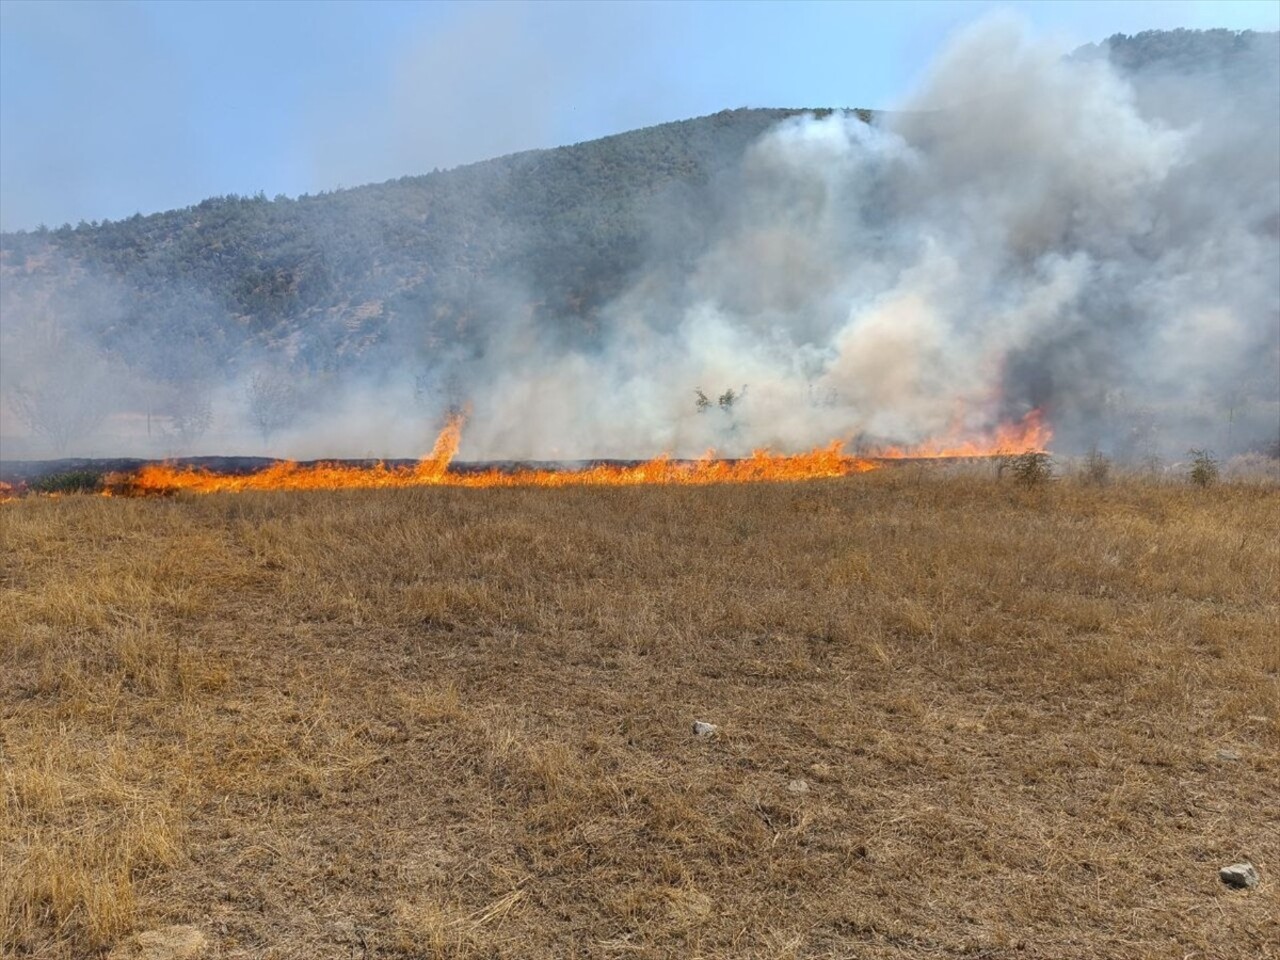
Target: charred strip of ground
<point x="26" y="472"/>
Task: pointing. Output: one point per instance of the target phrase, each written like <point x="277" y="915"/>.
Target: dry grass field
<point x="957" y="718"/>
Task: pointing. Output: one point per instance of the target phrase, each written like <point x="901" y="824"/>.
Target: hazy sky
<point x="107" y="109"/>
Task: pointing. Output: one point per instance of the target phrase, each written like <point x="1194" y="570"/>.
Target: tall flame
<point x="432" y="468"/>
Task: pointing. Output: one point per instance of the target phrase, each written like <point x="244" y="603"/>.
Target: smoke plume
<point x="1026" y="232"/>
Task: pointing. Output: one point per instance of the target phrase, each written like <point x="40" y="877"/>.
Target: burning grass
<point x="438" y="722"/>
<point x="760" y="467"/>
<point x="1028" y="435"/>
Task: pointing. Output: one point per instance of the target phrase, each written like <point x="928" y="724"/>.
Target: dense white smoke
<point x="1029" y="231"/>
<point x="1025" y="232"/>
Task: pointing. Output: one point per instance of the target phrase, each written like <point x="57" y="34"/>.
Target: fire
<point x="1030" y="433"/>
<point x="433" y="470"/>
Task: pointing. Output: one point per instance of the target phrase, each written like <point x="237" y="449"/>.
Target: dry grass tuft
<point x="456" y="723"/>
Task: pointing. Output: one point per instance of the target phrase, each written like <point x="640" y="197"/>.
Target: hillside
<point x="412" y="276"/>
<point x="419" y="259"/>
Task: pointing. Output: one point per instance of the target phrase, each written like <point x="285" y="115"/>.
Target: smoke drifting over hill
<point x="1026" y="232"/>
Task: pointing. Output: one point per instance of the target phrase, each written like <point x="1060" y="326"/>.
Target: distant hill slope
<point x="416" y="265"/>
<point x="1189" y="51"/>
<point x="417" y="260"/>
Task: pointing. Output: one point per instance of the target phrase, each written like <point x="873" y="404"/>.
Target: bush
<point x="1204" y="467"/>
<point x="1031" y="469"/>
<point x="73" y="481"/>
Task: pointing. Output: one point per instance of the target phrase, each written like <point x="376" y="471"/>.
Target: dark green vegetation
<point x="1204" y="468"/>
<point x="74" y="481"/>
<point x="1178" y="51"/>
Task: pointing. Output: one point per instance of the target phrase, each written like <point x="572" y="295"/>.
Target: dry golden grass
<point x="456" y="723"/>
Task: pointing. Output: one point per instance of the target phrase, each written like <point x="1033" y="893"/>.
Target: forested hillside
<point x="412" y="270"/>
<point x="416" y="261"/>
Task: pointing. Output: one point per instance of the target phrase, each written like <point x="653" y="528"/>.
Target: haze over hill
<point x="1098" y="237"/>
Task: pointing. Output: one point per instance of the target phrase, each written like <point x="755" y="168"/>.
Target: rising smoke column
<point x="1028" y="231"/>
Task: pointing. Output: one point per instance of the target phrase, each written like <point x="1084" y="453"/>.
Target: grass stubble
<point x="456" y="723"/>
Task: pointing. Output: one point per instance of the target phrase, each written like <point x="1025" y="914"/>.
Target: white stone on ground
<point x="1239" y="875"/>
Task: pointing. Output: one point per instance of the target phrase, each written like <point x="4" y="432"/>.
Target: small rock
<point x="1228" y="755"/>
<point x="165" y="943"/>
<point x="703" y="729"/>
<point x="798" y="786"/>
<point x="1239" y="875"/>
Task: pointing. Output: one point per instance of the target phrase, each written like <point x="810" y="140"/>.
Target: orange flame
<point x="1030" y="433"/>
<point x="432" y="470"/>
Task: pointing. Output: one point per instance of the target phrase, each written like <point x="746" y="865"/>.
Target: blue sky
<point x="107" y="109"/>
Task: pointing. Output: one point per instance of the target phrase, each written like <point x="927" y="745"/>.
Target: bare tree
<point x="190" y="410"/>
<point x="725" y="401"/>
<point x="61" y="411"/>
<point x="58" y="386"/>
<point x="274" y="403"/>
